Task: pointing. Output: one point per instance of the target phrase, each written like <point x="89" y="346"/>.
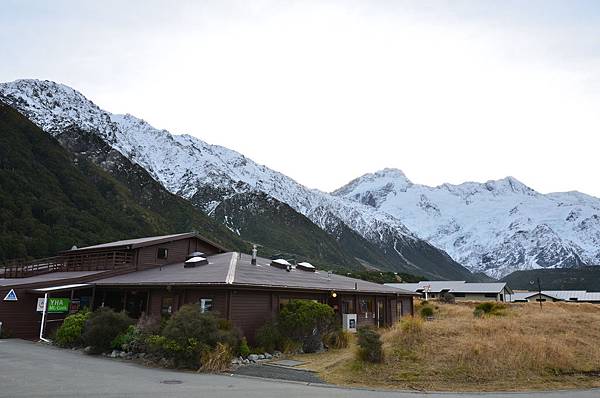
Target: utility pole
<point x="539" y="292"/>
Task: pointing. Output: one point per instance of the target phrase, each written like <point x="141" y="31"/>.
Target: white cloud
<point x="327" y="91"/>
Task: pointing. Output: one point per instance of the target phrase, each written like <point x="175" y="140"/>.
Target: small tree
<point x="306" y="322"/>
<point x="370" y="346"/>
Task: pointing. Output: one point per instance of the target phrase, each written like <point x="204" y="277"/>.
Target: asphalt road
<point x="34" y="370"/>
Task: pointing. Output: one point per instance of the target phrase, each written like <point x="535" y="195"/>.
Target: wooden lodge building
<point x="157" y="275"/>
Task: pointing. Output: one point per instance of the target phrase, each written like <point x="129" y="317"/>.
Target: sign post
<point x="43" y="319"/>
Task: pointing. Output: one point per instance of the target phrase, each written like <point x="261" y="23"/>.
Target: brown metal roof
<point x="147" y="241"/>
<point x="49" y="277"/>
<point x="235" y="269"/>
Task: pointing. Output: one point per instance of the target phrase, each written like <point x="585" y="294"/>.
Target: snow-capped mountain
<point x="207" y="174"/>
<point x="495" y="227"/>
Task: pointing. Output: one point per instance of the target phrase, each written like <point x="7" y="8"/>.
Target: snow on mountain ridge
<point x="186" y="165"/>
<point x="496" y="227"/>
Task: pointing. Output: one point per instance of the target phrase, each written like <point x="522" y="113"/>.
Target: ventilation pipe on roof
<point x="254" y="251"/>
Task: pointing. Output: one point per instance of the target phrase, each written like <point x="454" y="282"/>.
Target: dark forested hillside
<point x="282" y="230"/>
<point x="50" y="199"/>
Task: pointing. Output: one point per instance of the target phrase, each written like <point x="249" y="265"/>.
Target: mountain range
<point x="378" y="221"/>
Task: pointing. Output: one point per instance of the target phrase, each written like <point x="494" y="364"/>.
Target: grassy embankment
<point x="524" y="349"/>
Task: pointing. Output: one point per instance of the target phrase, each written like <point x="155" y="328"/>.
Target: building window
<point x="366" y="305"/>
<point x="166" y="306"/>
<point x="348" y="306"/>
<point x="162" y="253"/>
<point x="206" y="305"/>
<point x="458" y="294"/>
<point x="491" y="295"/>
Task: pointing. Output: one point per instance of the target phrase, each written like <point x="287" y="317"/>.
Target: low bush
<point x="218" y="359"/>
<point x="148" y="325"/>
<point x="337" y="339"/>
<point x="69" y="334"/>
<point x="291" y="347"/>
<point x="447" y="298"/>
<point x="244" y="349"/>
<point x="489" y="308"/>
<point x="426" y="312"/>
<point x="269" y="337"/>
<point x="188" y="334"/>
<point x="102" y="327"/>
<point x="369" y="345"/>
<point x="306" y="322"/>
<point x="124" y="339"/>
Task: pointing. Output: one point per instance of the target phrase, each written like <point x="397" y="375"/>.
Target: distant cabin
<point x="461" y="290"/>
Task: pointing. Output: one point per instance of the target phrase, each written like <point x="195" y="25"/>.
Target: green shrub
<point x="426" y="312"/>
<point x="69" y="333"/>
<point x="369" y="345"/>
<point x="447" y="298"/>
<point x="189" y="333"/>
<point x="337" y="339"/>
<point x="489" y="308"/>
<point x="244" y="350"/>
<point x="103" y="326"/>
<point x="124" y="339"/>
<point x="269" y="338"/>
<point x="306" y="322"/>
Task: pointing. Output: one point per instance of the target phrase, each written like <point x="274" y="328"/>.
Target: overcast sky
<point x="448" y="91"/>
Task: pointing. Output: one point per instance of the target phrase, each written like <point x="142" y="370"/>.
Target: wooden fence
<point x="94" y="261"/>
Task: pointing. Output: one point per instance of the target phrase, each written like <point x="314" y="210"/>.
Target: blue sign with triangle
<point x="11" y="296"/>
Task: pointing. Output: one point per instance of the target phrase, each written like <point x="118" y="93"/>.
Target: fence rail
<point x="95" y="261"/>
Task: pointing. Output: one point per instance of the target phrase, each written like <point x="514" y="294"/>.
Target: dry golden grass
<point x="218" y="359"/>
<point x="525" y="349"/>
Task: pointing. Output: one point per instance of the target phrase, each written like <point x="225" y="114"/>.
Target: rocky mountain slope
<point x="495" y="227"/>
<point x="208" y="175"/>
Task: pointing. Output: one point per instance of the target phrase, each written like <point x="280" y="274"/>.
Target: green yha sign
<point x="58" y="304"/>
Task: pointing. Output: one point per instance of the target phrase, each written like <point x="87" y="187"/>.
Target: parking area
<point x="37" y="370"/>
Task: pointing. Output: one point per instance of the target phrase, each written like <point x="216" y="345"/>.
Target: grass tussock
<point x="217" y="359"/>
<point x="522" y="349"/>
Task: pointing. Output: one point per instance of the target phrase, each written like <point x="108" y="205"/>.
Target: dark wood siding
<point x="147" y="257"/>
<point x="407" y="305"/>
<point x="250" y="310"/>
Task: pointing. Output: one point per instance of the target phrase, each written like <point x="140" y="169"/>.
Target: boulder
<point x="253" y="357"/>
